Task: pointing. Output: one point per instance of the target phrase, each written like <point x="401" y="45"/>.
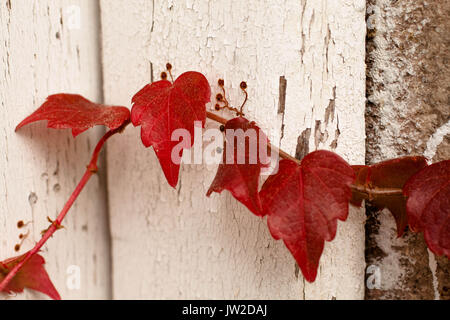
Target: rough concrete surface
<point x="408" y="79"/>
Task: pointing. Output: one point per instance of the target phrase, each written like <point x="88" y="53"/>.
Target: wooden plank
<point x="178" y="243"/>
<point x="50" y="47"/>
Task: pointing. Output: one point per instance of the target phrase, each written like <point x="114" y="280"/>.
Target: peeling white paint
<point x="433" y="268"/>
<point x="391" y="269"/>
<point x="39" y="168"/>
<point x="435" y="140"/>
<point x="180" y="244"/>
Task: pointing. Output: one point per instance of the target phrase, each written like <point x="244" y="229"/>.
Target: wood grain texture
<point x="178" y="243"/>
<point x="44" y="51"/>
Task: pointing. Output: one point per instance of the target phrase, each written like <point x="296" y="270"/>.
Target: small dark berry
<point x="222" y="128"/>
<point x="243" y="85"/>
<point x="163" y="75"/>
<point x="221" y="82"/>
<point x="20" y="224"/>
<point x="217" y="107"/>
<point x="168" y="66"/>
<point x="17" y="247"/>
<point x="219" y="97"/>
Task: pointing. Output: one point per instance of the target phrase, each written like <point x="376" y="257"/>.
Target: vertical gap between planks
<point x="103" y="176"/>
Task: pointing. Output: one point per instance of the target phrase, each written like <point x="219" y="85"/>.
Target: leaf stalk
<point x="91" y="169"/>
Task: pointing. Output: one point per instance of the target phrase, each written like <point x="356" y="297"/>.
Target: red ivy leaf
<point x="71" y="111"/>
<point x="428" y="205"/>
<point x="304" y="203"/>
<point x="162" y="107"/>
<point x="32" y="276"/>
<point x="241" y="178"/>
<point x="391" y="174"/>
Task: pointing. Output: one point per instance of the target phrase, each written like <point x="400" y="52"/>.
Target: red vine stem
<point x="369" y="194"/>
<point x="92" y="168"/>
<point x="364" y="191"/>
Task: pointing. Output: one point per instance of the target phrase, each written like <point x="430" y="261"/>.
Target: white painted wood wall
<point x="177" y="243"/>
<point x="45" y="51"/>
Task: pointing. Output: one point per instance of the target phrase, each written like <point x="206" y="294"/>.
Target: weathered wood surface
<point x="179" y="244"/>
<point x="50" y="47"/>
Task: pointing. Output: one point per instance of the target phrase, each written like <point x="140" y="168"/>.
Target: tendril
<point x="221" y="98"/>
